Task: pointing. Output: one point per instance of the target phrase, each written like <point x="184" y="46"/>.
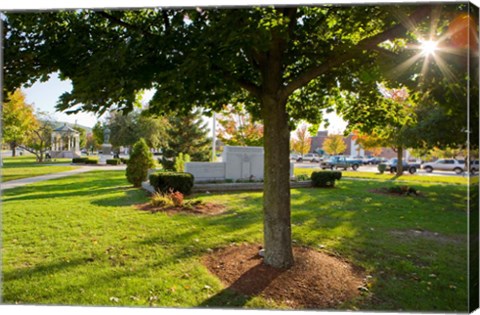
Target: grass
<point x="78" y="240"/>
<point x="463" y="180"/>
<point x="25" y="166"/>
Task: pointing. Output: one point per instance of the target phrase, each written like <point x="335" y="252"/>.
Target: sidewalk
<point x="81" y="169"/>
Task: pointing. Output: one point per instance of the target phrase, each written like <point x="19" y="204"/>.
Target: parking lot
<point x="373" y="169"/>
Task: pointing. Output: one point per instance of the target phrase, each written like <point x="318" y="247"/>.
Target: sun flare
<point x="428" y="47"/>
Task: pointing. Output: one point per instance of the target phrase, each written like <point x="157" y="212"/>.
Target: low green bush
<point x="91" y="161"/>
<point x="325" y="178"/>
<point x="124" y="160"/>
<point x="114" y="162"/>
<point x="172" y="181"/>
<point x="382" y="167"/>
<point x="79" y="160"/>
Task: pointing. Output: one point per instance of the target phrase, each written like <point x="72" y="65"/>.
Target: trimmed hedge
<point x="79" y="160"/>
<point x="91" y="161"/>
<point x="114" y="162"/>
<point x="124" y="160"/>
<point x="325" y="178"/>
<point x="166" y="181"/>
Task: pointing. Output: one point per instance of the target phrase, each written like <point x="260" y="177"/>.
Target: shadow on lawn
<point x="229" y="297"/>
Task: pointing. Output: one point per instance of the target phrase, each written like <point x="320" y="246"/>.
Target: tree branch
<point x="120" y="22"/>
<point x="365" y="44"/>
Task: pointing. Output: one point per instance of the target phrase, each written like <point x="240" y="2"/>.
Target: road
<point x="373" y="169"/>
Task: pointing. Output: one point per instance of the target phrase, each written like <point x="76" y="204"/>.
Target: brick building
<point x="353" y="148"/>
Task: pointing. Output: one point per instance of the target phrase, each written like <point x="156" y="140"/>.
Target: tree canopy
<point x="283" y="63"/>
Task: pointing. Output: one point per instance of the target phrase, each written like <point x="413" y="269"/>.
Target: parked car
<point x="336" y="162"/>
<point x="410" y="167"/>
<point x="474" y="166"/>
<point x="458" y="166"/>
<point x="312" y="157"/>
<point x="294" y="156"/>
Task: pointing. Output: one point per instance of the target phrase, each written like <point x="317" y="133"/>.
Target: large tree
<point x="18" y="120"/>
<point x="281" y="62"/>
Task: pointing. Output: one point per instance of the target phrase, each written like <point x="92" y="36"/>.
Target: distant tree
<point x="237" y="127"/>
<point x="301" y="140"/>
<point x="18" y="120"/>
<point x="38" y="140"/>
<point x="97" y="132"/>
<point x="334" y="144"/>
<point x="126" y="129"/>
<point x="91" y="142"/>
<point x="369" y="142"/>
<point x="140" y="161"/>
<point x="83" y="136"/>
<point x="188" y="134"/>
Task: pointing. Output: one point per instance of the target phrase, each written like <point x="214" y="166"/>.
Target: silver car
<point x="458" y="166"/>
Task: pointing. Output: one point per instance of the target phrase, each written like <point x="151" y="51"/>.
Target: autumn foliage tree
<point x="301" y="140"/>
<point x="334" y="144"/>
<point x="237" y="127"/>
<point x="19" y="120"/>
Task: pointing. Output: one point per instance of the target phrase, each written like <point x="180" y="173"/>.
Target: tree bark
<point x="276" y="196"/>
<point x="13" y="147"/>
<point x="399" y="161"/>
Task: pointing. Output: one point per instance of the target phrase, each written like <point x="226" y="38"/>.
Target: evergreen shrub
<point x="114" y="162"/>
<point x="325" y="178"/>
<point x="79" y="160"/>
<point x="91" y="161"/>
<point x="172" y="181"/>
<point x="140" y="161"/>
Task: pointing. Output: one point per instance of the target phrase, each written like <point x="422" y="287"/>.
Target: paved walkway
<point x="81" y="169"/>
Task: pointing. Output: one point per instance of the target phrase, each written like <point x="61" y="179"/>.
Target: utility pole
<point x="214" y="138"/>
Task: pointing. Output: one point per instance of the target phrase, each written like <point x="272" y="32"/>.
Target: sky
<point x="44" y="96"/>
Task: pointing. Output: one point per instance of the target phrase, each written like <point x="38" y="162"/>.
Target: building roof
<point x="66" y="129"/>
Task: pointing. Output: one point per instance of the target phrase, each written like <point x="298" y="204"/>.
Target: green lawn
<point x="392" y="177"/>
<point x="78" y="240"/>
<point x="26" y="166"/>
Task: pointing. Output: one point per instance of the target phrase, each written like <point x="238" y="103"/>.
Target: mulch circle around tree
<point x="202" y="209"/>
<point x="316" y="281"/>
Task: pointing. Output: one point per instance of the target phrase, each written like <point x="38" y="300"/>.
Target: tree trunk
<point x="13" y="147"/>
<point x="276" y="195"/>
<point x="400" y="161"/>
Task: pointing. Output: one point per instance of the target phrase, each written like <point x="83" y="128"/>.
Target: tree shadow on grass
<point x="249" y="282"/>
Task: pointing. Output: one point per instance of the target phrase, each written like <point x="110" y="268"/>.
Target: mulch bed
<point x="316" y="281"/>
<point x="202" y="209"/>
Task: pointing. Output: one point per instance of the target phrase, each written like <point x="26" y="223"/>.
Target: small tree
<point x="237" y="127"/>
<point x="334" y="144"/>
<point x="140" y="161"/>
<point x="180" y="161"/>
<point x="301" y="140"/>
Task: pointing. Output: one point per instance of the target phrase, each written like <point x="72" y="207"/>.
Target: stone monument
<point x="106" y="147"/>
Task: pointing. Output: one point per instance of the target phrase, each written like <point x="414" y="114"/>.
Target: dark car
<point x="410" y="167"/>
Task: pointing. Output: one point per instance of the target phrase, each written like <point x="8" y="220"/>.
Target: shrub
<point x="141" y="160"/>
<point x="160" y="200"/>
<point x="166" y="164"/>
<point x="325" y="178"/>
<point x="176" y="197"/>
<point x="124" y="160"/>
<point x="382" y="167"/>
<point x="172" y="181"/>
<point x="79" y="160"/>
<point x="114" y="162"/>
<point x="180" y="161"/>
<point x="91" y="161"/>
